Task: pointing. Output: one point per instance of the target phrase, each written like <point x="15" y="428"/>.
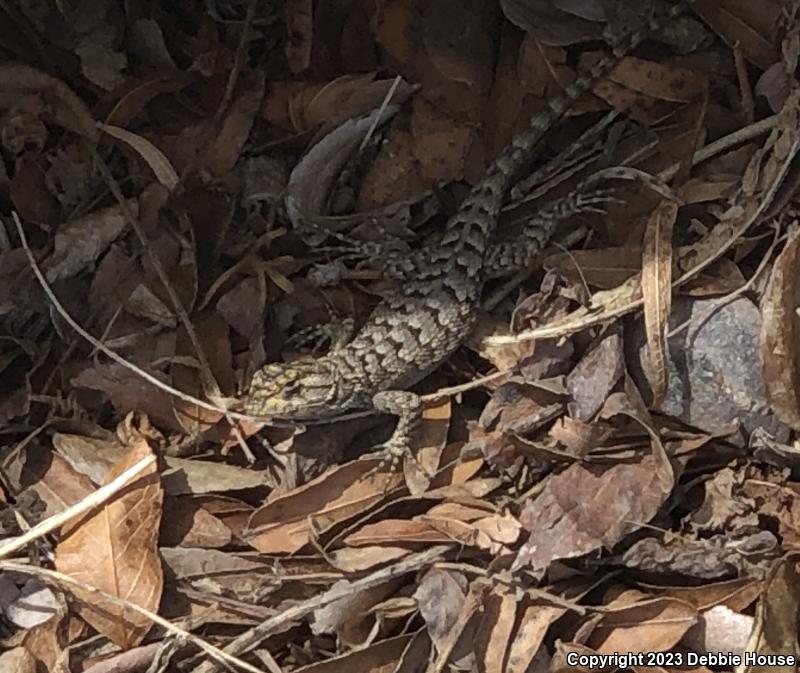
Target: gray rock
<point x="713" y="368"/>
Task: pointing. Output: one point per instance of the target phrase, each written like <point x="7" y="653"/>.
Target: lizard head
<point x="304" y="388"/>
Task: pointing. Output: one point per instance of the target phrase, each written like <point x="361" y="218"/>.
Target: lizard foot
<point x="408" y="407"/>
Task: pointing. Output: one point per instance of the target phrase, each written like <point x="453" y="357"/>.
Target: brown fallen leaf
<point x="535" y="622"/>
<point x="633" y="622"/>
<point x="735" y="594"/>
<point x="432" y="440"/>
<point x="353" y="617"/>
<point x="79" y="243"/>
<point x="189" y="525"/>
<point x="226" y="148"/>
<point x="500" y="618"/>
<point x="587" y="507"/>
<point x="128" y="392"/>
<point x="440" y="143"/>
<point x="286" y="523"/>
<point x="604" y="268"/>
<point x="596" y="374"/>
<point x="659" y="81"/>
<point x="19" y="660"/>
<point x="114" y="549"/>
<point x="440" y="596"/>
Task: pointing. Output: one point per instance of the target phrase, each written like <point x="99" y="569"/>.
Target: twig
<point x="726" y="142"/>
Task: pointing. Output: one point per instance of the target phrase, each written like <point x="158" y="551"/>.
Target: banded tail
<point x="477" y="216"/>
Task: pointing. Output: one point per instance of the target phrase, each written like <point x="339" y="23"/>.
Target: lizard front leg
<point x="407" y="406"/>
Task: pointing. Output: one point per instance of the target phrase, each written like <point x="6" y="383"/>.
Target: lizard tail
<point x="514" y="158"/>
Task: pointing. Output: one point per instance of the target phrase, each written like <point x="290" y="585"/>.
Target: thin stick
<point x="89" y="502"/>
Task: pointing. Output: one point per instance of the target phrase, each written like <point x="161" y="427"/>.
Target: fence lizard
<point x="435" y="306"/>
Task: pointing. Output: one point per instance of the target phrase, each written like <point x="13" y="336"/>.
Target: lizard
<point x="433" y="310"/>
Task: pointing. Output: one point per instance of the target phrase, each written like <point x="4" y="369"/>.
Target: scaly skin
<point x="409" y="334"/>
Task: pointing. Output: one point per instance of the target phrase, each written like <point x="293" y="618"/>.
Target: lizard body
<point x="435" y="307"/>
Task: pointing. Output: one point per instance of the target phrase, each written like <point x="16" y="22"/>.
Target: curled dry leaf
<point x="313" y="176"/>
<point x="780" y="331"/>
<point x="114" y="549"/>
<point x="657" y="290"/>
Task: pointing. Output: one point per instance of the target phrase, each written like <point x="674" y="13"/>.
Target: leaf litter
<point x="609" y="465"/>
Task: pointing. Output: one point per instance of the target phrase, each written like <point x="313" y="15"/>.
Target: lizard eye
<point x="291" y="389"/>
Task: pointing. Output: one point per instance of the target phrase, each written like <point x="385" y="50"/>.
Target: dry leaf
<point x="780" y="331"/>
<point x="587" y="507"/>
<point x="649" y="625"/>
<point x="159" y="164"/>
<point x="19" y="660"/>
<point x="80" y="242"/>
<point x="751" y="26"/>
<point x="657" y="291"/>
<point x="285" y="523"/>
<point x="774" y="635"/>
<point x="114" y="549"/>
